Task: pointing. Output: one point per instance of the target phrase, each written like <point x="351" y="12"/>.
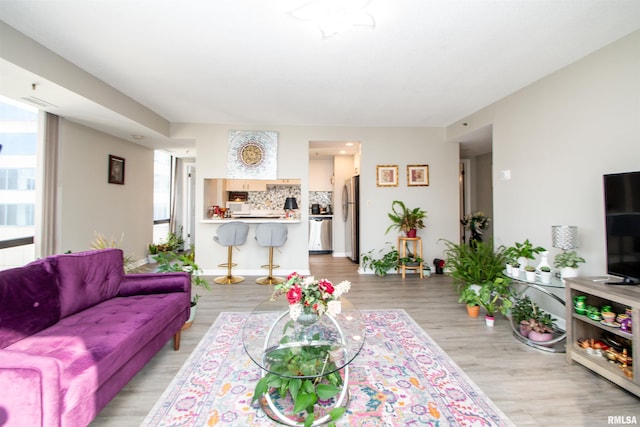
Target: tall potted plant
<point x="406" y="220"/>
<point x="474" y="265"/>
<point x="525" y="251"/>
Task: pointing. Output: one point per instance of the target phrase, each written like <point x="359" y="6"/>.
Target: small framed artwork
<point x="387" y="175"/>
<point x="417" y="175"/>
<point x="116" y="170"/>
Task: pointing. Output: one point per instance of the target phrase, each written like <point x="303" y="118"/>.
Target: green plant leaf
<point x="336" y="413"/>
<point x="294" y="387"/>
<point x="260" y="389"/>
<point x="326" y="391"/>
<point x="304" y="401"/>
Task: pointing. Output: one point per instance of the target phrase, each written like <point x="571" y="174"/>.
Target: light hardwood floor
<point x="532" y="388"/>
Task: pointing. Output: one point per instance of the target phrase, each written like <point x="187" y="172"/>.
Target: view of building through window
<point x="161" y="194"/>
<point x="19" y="139"/>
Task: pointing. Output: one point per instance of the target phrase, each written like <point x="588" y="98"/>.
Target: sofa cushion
<point x="95" y="343"/>
<point x="88" y="278"/>
<point x="29" y="300"/>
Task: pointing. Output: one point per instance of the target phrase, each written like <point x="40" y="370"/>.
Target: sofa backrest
<point x="88" y="278"/>
<point x="29" y="300"/>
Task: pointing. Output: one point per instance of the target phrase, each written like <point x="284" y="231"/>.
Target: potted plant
<point x="530" y="273"/>
<point x="474" y="265"/>
<point x="495" y="296"/>
<point x="568" y="263"/>
<point x="470" y="297"/>
<point x="170" y="261"/>
<point x="381" y="264"/>
<point x="525" y="251"/>
<point x="545" y="274"/>
<point x="532" y="322"/>
<point x="515" y="269"/>
<point x="510" y="256"/>
<point x="406" y="220"/>
<point x="153" y="250"/>
<point x="476" y="223"/>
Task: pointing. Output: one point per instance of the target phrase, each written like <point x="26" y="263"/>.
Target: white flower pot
<point x="489" y="320"/>
<point x="509" y="269"/>
<point x="566" y="272"/>
<point x="545" y="277"/>
<point x="530" y="276"/>
<point x="515" y="271"/>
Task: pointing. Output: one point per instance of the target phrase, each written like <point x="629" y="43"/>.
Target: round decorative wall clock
<point x="252" y="154"/>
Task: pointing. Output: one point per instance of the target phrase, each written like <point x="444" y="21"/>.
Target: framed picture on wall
<point x="116" y="170"/>
<point x="387" y="175"/>
<point x="417" y="175"/>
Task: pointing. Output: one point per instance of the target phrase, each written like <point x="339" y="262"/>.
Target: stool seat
<point x="271" y="235"/>
<point x="231" y="234"/>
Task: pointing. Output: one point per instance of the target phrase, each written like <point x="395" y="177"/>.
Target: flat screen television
<point x="622" y="216"/>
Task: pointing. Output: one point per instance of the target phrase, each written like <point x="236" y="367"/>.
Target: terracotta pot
<point x="473" y="310"/>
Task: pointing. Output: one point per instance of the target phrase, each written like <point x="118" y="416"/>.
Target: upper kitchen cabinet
<point x="247" y="184"/>
<point x="321" y="175"/>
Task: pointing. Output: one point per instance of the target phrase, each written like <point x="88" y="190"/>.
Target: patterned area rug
<point x="401" y="378"/>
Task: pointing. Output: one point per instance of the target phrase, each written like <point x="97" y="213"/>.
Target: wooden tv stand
<point x="580" y="326"/>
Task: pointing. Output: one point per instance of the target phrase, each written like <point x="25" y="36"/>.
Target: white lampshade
<point x="564" y="237"/>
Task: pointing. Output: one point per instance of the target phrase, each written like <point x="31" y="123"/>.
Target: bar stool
<point x="271" y="235"/>
<point x="231" y="234"/>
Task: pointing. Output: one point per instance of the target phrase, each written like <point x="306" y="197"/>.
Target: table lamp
<point x="290" y="205"/>
<point x="564" y="237"/>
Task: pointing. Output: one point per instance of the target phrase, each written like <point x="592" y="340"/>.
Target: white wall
<point x="89" y="204"/>
<point x="558" y="137"/>
<point x="401" y="146"/>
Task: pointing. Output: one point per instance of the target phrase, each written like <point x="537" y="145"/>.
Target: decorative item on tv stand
<point x="565" y="237"/>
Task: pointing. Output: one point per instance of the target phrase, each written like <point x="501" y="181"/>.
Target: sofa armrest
<point x="29" y="389"/>
<point x="154" y="283"/>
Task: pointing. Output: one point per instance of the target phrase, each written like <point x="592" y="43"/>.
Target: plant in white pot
<point x="495" y="296"/>
<point x="525" y="251"/>
<point x="530" y="273"/>
<point x="568" y="263"/>
<point x="545" y="274"/>
<point x="515" y="268"/>
<point x="405" y="219"/>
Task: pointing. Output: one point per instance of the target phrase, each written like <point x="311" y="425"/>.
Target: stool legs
<point x="228" y="279"/>
<point x="270" y="280"/>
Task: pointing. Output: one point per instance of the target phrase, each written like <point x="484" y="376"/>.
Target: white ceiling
<point x="426" y="63"/>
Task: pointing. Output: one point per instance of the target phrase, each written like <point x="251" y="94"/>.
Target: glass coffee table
<point x="312" y="350"/>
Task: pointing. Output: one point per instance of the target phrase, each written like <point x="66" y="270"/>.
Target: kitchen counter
<point x="250" y="220"/>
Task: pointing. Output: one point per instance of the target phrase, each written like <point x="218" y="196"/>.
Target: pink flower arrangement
<point x="308" y="295"/>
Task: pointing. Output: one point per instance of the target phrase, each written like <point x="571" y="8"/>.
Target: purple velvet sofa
<point x="74" y="329"/>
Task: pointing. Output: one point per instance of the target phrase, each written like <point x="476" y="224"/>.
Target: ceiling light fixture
<point x="335" y="16"/>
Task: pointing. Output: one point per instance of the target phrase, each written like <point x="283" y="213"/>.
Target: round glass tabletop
<point x="324" y="344"/>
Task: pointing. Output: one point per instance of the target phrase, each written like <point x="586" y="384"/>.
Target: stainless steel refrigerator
<point x="351" y="217"/>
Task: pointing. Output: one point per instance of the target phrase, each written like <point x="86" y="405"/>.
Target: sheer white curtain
<point x="47" y="230"/>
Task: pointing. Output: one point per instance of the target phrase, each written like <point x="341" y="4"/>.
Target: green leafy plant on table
<point x="303" y="368"/>
<point x="526" y="250"/>
<point x="404" y="219"/>
<point x="569" y="259"/>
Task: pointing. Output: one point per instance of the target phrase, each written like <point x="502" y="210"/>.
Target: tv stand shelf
<point x="580" y="326"/>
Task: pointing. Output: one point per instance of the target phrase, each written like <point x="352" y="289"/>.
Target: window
<point x="161" y="194"/>
<point x="18" y="140"/>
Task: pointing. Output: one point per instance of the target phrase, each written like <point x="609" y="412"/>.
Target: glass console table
<point x="327" y="344"/>
<point x="522" y="288"/>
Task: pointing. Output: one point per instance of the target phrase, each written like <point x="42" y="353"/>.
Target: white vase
<point x="544" y="261"/>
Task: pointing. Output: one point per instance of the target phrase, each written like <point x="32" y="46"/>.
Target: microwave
<point x="238" y="207"/>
